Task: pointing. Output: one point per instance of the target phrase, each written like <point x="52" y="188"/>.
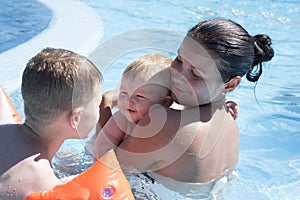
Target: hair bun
<point x="262" y="52"/>
<point x="262" y="49"/>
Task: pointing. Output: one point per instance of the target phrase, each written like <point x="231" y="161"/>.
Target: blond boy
<point x="61" y="91"/>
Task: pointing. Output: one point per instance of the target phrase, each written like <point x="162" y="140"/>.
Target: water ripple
<point x="20" y="21"/>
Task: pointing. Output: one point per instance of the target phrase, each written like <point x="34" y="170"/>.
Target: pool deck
<point x="74" y="26"/>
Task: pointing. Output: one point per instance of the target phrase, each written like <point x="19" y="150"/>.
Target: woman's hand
<point x="233" y="108"/>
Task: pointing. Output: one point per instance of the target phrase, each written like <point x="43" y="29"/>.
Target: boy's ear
<point x="168" y="101"/>
<point x="75" y="117"/>
<point x="232" y="84"/>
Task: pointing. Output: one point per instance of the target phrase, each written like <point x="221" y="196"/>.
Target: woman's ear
<point x="75" y="117"/>
<point x="232" y="84"/>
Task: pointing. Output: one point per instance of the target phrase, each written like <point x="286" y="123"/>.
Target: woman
<point x="198" y="143"/>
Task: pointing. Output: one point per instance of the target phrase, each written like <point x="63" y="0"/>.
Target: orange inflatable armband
<point x="103" y="180"/>
<point x="8" y="113"/>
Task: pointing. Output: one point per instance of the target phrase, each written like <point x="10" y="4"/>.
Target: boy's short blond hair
<point x="150" y="67"/>
<point x="55" y="81"/>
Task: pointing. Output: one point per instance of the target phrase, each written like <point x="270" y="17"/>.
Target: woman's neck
<point x="203" y="112"/>
<point x="217" y="104"/>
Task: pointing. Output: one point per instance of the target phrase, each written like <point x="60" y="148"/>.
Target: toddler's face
<point x="136" y="98"/>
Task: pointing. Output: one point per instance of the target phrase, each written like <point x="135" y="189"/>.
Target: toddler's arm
<point x="111" y="135"/>
<point x="109" y="101"/>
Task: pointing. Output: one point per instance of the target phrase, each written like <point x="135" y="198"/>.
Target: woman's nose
<point x="178" y="79"/>
<point x="179" y="74"/>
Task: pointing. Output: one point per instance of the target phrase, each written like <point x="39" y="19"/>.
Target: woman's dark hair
<point x="234" y="50"/>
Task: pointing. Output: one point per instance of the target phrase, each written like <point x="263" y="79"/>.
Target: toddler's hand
<point x="109" y="100"/>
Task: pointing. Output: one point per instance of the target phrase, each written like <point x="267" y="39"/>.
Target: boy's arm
<point x="110" y="136"/>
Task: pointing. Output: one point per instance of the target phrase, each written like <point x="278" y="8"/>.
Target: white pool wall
<point x="73" y="26"/>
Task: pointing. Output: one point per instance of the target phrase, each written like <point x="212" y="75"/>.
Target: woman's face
<point x="195" y="77"/>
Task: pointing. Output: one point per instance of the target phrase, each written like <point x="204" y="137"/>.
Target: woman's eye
<point x="195" y="73"/>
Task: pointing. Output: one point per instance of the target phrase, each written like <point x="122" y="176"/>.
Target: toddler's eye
<point x="123" y="93"/>
<point x="140" y="96"/>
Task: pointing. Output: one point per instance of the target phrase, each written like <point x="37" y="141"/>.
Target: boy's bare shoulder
<point x="17" y="182"/>
<point x="21" y="162"/>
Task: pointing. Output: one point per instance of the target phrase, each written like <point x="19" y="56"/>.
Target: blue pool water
<point x="269" y="161"/>
<point x="20" y="21"/>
